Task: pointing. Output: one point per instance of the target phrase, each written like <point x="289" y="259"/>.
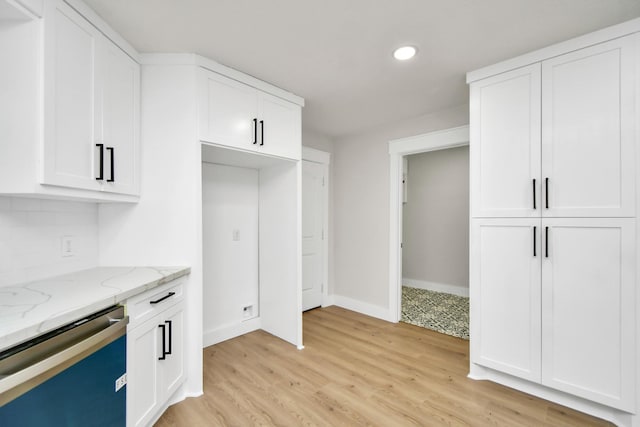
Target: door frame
<point x="398" y="149"/>
<point x="324" y="159"/>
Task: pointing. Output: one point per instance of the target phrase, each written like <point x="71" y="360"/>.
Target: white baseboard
<point x="438" y="287"/>
<point x="230" y="331"/>
<point x="328" y="300"/>
<point x="619" y="418"/>
<point x="362" y="307"/>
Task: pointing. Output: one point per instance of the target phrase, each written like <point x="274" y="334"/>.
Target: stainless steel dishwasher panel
<point x="74" y="376"/>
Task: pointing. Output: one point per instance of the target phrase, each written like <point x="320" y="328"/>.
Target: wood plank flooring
<point x="356" y="370"/>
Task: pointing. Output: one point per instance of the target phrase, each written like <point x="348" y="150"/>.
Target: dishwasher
<point x="72" y="376"/>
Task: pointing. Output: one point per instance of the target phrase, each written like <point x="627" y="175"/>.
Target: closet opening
<point x="429" y="231"/>
<point x="251" y="244"/>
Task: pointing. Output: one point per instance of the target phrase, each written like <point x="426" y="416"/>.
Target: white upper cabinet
<point x="505" y="148"/>
<point x="236" y="115"/>
<point x="71" y="96"/>
<point x="70" y="125"/>
<point x="228" y="111"/>
<point x="557" y="138"/>
<point x="280" y="127"/>
<point x="91" y="112"/>
<point x="119" y="114"/>
<point x="588" y="122"/>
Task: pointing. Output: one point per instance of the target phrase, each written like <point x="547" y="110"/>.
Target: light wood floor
<point x="355" y="370"/>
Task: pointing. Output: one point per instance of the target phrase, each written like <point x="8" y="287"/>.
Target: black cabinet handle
<point x="168" y="322"/>
<point x="546" y="242"/>
<point x="261" y="132"/>
<point x="111" y="150"/>
<point x="255" y="131"/>
<point x="546" y="192"/>
<point x="164" y="353"/>
<point x="169" y="295"/>
<point x="535" y="232"/>
<point x="534" y="193"/>
<point x="100" y="176"/>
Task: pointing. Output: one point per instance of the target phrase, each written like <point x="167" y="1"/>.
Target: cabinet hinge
<point x="322" y="234"/>
<point x="323" y="181"/>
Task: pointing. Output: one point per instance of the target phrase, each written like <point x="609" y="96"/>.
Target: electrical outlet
<point x="66" y="246"/>
<point x="247" y="311"/>
<point x="121" y="382"/>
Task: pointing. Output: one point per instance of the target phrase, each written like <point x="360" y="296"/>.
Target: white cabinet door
<point x="280" y="124"/>
<point x="588" y="132"/>
<point x="172" y="366"/>
<point x="505" y="144"/>
<point x="142" y="373"/>
<point x="70" y="99"/>
<point x="120" y="105"/>
<point x="588" y="304"/>
<point x="228" y="112"/>
<point x="92" y="91"/>
<point x="505" y="295"/>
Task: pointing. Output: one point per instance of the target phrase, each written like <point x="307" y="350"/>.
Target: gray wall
<point x="436" y="218"/>
<point x="361" y="208"/>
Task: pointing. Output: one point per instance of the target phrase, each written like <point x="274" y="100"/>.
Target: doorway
<point x="398" y="149"/>
<point x="435" y="241"/>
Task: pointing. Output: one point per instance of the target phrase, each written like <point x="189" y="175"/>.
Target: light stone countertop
<point x="30" y="309"/>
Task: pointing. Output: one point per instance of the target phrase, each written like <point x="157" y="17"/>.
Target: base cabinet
<point x="554" y="303"/>
<point x="155" y="360"/>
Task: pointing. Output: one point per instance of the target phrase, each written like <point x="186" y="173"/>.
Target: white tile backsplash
<point x="30" y="238"/>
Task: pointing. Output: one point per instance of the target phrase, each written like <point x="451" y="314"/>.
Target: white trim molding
<point x="361" y="307"/>
<point x="437" y="287"/>
<point x="316" y="156"/>
<point x="398" y="148"/>
<point x="227" y="332"/>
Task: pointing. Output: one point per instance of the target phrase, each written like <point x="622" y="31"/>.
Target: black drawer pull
<point x="546" y="242"/>
<point x="546" y="192"/>
<point x="168" y="322"/>
<point x="261" y="132"/>
<point x="111" y="150"/>
<point x="164" y="343"/>
<point x="534" y="193"/>
<point x="255" y="131"/>
<point x="100" y="176"/>
<point x="169" y="295"/>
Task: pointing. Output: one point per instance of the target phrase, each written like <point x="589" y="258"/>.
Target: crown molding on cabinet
<point x="216" y="67"/>
<point x="580" y="42"/>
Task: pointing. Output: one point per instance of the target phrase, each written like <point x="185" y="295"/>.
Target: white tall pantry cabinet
<point x="553" y="277"/>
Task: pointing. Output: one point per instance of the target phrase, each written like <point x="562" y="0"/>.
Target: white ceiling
<point x="337" y="53"/>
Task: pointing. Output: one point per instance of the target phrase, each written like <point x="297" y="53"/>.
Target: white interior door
<point x="312" y="234"/>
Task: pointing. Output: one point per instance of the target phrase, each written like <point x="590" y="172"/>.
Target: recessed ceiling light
<point x="405" y="52"/>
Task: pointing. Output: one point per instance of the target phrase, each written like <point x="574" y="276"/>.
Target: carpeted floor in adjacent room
<point x="441" y="312"/>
